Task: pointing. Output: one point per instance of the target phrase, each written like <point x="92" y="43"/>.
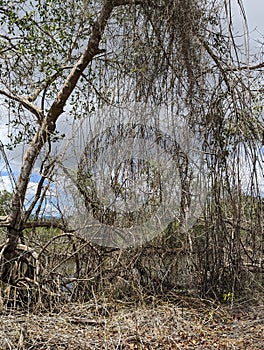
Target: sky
<point x="255" y="14"/>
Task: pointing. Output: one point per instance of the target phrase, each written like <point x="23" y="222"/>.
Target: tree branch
<point x="127" y="2"/>
<point x="44" y="84"/>
<point x="90" y="52"/>
<point x="4" y="222"/>
<point x="217" y="61"/>
<point x="256" y="67"/>
<point x="48" y="124"/>
<point x="47" y="224"/>
<point x="25" y="101"/>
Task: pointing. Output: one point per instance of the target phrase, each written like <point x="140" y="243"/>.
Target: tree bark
<point x="48" y="125"/>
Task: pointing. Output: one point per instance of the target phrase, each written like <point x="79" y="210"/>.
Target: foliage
<point x="5" y="200"/>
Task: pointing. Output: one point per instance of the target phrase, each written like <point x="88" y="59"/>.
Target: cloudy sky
<point x="255" y="12"/>
<point x="255" y="15"/>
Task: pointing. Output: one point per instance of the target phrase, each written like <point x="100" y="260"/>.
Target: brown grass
<point x="178" y="323"/>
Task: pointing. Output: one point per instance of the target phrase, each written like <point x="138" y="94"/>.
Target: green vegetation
<point x="5" y="199"/>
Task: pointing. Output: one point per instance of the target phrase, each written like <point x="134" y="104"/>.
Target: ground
<point x="177" y="323"/>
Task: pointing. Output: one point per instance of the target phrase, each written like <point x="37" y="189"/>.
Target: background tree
<point x="5" y="198"/>
<point x="59" y="58"/>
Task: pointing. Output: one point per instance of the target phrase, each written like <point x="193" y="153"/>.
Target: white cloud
<point x="254" y="10"/>
<point x="5" y="183"/>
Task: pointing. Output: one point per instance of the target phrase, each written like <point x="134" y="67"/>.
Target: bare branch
<point x="38" y="195"/>
<point x="4" y="222"/>
<point x="127" y="2"/>
<point x="217" y="61"/>
<point x="47" y="224"/>
<point x="256" y="67"/>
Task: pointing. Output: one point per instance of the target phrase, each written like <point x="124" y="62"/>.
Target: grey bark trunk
<point x="15" y="219"/>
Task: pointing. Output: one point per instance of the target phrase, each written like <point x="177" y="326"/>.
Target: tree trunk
<point x="16" y="219"/>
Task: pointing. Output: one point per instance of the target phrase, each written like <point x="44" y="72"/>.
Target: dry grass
<point x="178" y="323"/>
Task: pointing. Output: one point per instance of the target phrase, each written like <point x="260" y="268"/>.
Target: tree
<point x="59" y="57"/>
<point x="5" y="198"/>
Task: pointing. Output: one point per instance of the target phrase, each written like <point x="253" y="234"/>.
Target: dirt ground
<point x="181" y="323"/>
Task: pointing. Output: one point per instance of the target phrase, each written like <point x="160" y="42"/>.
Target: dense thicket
<point x="62" y="62"/>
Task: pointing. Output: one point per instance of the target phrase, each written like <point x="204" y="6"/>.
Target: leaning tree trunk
<point x="16" y="219"/>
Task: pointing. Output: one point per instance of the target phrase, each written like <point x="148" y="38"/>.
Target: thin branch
<point x="127" y="2"/>
<point x="4" y="222"/>
<point x="24" y="100"/>
<point x="89" y="81"/>
<point x="217" y="61"/>
<point x="44" y="84"/>
<point x="47" y="224"/>
<point x="38" y="195"/>
<point x="7" y="164"/>
<point x="74" y="41"/>
<point x="256" y="67"/>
